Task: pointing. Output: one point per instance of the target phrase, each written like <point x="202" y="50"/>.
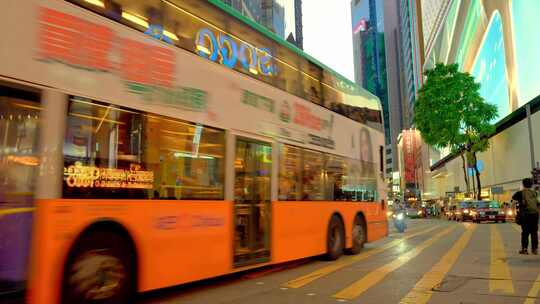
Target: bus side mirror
<point x="383" y="205"/>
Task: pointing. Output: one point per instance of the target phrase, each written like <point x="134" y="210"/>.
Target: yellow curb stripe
<point x="499" y="272"/>
<point x="533" y="293"/>
<point x="374" y="277"/>
<point x="346" y="261"/>
<point x="15" y="210"/>
<point x="422" y="291"/>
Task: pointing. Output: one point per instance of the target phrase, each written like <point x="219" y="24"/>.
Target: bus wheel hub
<point x="97" y="275"/>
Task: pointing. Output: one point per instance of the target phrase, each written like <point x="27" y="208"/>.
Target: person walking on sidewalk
<point x="527" y="216"/>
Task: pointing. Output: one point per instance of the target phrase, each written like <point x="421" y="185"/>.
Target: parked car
<point x="464" y="211"/>
<point x="489" y="211"/>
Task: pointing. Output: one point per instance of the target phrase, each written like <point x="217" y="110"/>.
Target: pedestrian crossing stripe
<point x="374" y="277"/>
<point x="533" y="293"/>
<point x="499" y="272"/>
<point x="423" y="290"/>
<point x="346" y="261"/>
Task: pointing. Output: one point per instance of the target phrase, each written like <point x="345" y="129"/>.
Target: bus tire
<point x="359" y="233"/>
<point x="335" y="238"/>
<point x="100" y="269"/>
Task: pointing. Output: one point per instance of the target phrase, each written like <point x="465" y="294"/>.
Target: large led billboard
<point x="495" y="42"/>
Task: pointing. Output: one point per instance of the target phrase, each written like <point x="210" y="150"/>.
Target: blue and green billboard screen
<point x="497" y="44"/>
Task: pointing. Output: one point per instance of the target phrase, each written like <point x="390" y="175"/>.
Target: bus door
<point x="253" y="166"/>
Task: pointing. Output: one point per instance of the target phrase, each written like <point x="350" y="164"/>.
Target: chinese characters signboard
<point x="409" y="155"/>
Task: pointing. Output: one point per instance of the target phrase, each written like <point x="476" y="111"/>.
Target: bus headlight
<point x="389" y="213"/>
<point x="466" y="211"/>
<point x="510" y="212"/>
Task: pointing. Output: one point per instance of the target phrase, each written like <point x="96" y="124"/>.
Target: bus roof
<point x="269" y="34"/>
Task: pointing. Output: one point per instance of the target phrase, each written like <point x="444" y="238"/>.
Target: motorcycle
<point x="399" y="221"/>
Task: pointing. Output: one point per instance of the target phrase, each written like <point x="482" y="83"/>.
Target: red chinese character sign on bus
<point x="74" y="41"/>
<point x="87" y="45"/>
<point x="146" y="64"/>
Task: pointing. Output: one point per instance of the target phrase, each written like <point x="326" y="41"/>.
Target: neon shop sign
<point x="232" y="53"/>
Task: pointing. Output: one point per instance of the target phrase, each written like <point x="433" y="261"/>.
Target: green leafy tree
<point x="450" y="112"/>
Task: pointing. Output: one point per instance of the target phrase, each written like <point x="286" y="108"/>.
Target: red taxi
<point x="488" y="211"/>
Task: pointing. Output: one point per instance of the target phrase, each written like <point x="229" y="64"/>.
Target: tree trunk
<point x="473" y="188"/>
<point x="465" y="175"/>
<point x="477" y="173"/>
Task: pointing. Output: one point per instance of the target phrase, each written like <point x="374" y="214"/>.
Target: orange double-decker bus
<point x="149" y="144"/>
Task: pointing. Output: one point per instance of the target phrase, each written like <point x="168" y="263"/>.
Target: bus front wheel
<point x="100" y="270"/>
<point x="335" y="239"/>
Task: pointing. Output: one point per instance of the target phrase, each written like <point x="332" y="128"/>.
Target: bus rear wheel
<point x="335" y="239"/>
<point x="358" y="235"/>
<point x="100" y="270"/>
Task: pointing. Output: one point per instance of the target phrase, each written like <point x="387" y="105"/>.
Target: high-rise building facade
<point x="251" y="9"/>
<point x="370" y="66"/>
<point x="299" y="27"/>
<point x="411" y="57"/>
<point x="394" y="76"/>
<point x="433" y="15"/>
<point x="283" y="17"/>
<point x="412" y="53"/>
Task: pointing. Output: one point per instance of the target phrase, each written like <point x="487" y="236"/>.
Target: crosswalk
<point x="374" y="277"/>
<point x="433" y="262"/>
<point x="495" y="247"/>
<point x="344" y="262"/>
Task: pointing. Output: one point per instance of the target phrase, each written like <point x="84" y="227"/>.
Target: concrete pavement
<point x="434" y="261"/>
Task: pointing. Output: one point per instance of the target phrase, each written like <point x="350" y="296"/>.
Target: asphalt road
<point x="434" y="261"/>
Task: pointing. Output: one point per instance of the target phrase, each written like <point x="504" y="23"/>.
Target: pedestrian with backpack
<point x="527" y="216"/>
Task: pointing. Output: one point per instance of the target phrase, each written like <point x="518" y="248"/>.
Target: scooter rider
<point x="399" y="218"/>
